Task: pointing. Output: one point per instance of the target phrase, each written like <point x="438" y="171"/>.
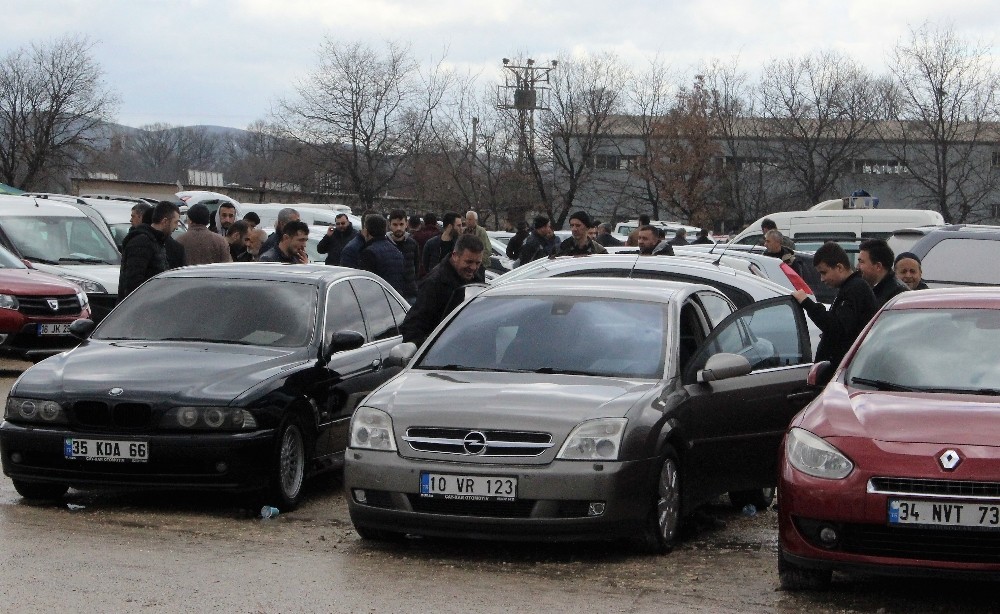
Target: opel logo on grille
<point x="474" y="442"/>
<point x="949" y="460"/>
<point x="53" y="304"/>
<point x="116" y="392"/>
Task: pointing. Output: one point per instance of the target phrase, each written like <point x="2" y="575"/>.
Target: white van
<point x="824" y="222"/>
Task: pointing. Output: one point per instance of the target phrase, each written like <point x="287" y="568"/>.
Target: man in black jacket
<point x="336" y="237"/>
<point x="411" y="253"/>
<point x="380" y="256"/>
<point x="875" y="260"/>
<point x="580" y="244"/>
<point x="440" y="246"/>
<point x="441" y="291"/>
<point x="850" y="311"/>
<point x="540" y="243"/>
<point x="143" y="252"/>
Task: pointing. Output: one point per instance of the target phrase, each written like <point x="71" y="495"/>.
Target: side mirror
<point x="400" y="355"/>
<point x="27" y="263"/>
<point x="820" y="373"/>
<point x="723" y="366"/>
<point x="344" y="340"/>
<point x="82" y="328"/>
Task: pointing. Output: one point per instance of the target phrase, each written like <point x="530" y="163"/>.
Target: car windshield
<point x="931" y="350"/>
<point x="214" y="310"/>
<point x="554" y="334"/>
<point x="60" y="240"/>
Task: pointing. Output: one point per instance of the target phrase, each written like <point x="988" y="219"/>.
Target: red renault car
<point x="895" y="467"/>
<point x="36" y="310"/>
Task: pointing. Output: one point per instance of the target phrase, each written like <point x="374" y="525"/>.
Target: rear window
<point x="964" y="261"/>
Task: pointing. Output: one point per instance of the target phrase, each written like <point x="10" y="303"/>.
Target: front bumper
<point x="218" y="461"/>
<point x="554" y="502"/>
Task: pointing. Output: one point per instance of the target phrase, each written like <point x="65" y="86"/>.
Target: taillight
<point x="797" y="282"/>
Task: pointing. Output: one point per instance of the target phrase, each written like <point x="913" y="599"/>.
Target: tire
<point x="41" y="491"/>
<point x="664" y="519"/>
<point x="760" y="498"/>
<point x="795" y="578"/>
<point x="288" y="472"/>
<point x="378" y="535"/>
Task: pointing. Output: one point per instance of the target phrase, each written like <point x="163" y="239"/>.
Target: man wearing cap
<point x="909" y="271"/>
<point x="875" y="259"/>
<point x="201" y="245"/>
<point x="580" y="244"/>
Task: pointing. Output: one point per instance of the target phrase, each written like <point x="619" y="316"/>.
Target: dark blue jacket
<point x="381" y="257"/>
<point x="351" y="254"/>
<point x="333" y="244"/>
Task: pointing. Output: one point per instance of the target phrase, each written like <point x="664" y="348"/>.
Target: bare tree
<point x="819" y="113"/>
<point x="52" y="103"/>
<point x="363" y="112"/>
<point x="944" y="104"/>
<point x="651" y="94"/>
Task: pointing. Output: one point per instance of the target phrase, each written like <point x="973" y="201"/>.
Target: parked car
<point x="268" y="214"/>
<point x="759" y="263"/>
<point x="895" y="467"/>
<point x="960" y="255"/>
<point x="56" y="237"/>
<point x="36" y="310"/>
<point x="580" y="408"/>
<point x="116" y="215"/>
<point x="253" y="394"/>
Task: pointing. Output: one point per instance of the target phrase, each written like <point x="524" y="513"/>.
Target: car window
<point x="56" y="239"/>
<point x="951" y="261"/>
<point x="240" y="311"/>
<point x="343" y="311"/>
<point x="376" y="310"/>
<point x="398" y="311"/>
<point x="898" y="350"/>
<point x="717" y="308"/>
<point x="554" y="334"/>
<point x="766" y="334"/>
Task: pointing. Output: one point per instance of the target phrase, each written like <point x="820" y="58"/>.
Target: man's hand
<point x="302" y="257"/>
<point x="800" y="295"/>
<point x="329" y="230"/>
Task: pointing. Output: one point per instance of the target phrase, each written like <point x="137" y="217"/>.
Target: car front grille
<point x="934" y="488"/>
<point x="472" y="442"/>
<point x="98" y="414"/>
<point x="39" y="305"/>
<point x="950" y="545"/>
<point x="481" y="509"/>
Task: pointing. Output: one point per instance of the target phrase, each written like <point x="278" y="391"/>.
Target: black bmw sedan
<point x="235" y="377"/>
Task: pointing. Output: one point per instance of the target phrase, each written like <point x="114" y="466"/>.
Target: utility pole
<point x="525" y="90"/>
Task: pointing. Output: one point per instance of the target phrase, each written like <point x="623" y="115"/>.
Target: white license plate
<point x="945" y="513"/>
<point x="114" y="451"/>
<point x="53" y="329"/>
<point x="475" y="487"/>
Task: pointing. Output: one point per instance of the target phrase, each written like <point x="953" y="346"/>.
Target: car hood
<point x="156" y="372"/>
<point x="30" y="281"/>
<point x="904" y="416"/>
<point x="504" y="400"/>
<point x="104" y="274"/>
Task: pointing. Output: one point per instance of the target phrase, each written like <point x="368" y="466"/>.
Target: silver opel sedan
<point x="579" y="408"/>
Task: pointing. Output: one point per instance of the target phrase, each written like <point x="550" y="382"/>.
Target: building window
<point x="607" y="162"/>
<point x="996" y="159"/>
<point x="878" y="167"/>
<point x="995" y="208"/>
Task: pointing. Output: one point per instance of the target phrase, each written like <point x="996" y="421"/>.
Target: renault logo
<point x="949" y="460"/>
<point x="116" y="392"/>
<point x="474" y="443"/>
<point x="53" y="304"/>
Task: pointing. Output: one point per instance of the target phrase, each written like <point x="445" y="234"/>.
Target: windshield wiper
<point x="84" y="259"/>
<point x="983" y="391"/>
<point x="562" y="371"/>
<point x="204" y="340"/>
<point x="454" y="367"/>
<point x="40" y="260"/>
<point x="879" y="384"/>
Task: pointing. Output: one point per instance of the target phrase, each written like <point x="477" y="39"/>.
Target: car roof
<point x="16" y="206"/>
<point x="270" y="271"/>
<point x="967" y="230"/>
<point x="601" y="287"/>
<point x="944" y="298"/>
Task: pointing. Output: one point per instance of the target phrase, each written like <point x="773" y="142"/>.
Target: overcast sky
<point x="224" y="62"/>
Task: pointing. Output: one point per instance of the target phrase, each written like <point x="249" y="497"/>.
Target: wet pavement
<point x="122" y="551"/>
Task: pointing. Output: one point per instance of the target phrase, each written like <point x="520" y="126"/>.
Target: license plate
<point x="53" y="329"/>
<point x="474" y="487"/>
<point x="945" y="514"/>
<point x="114" y="451"/>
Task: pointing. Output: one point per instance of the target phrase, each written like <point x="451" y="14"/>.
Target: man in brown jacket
<point x="201" y="245"/>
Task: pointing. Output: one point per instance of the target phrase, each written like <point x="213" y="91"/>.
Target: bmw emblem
<point x="949" y="460"/>
<point x="116" y="392"/>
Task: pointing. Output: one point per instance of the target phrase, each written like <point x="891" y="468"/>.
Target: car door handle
<point x="796" y="397"/>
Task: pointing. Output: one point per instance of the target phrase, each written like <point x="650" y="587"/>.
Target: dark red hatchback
<point x="895" y="467"/>
<point x="36" y="310"/>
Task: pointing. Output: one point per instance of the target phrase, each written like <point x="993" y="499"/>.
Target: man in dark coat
<point x="380" y="256"/>
<point x="410" y="250"/>
<point x="605" y="238"/>
<point x="517" y="241"/>
<point x="875" y="260"/>
<point x="651" y="243"/>
<point x="580" y="244"/>
<point x="441" y="291"/>
<point x="540" y="243"/>
<point x="143" y="252"/>
<point x="774" y="246"/>
<point x="851" y="310"/>
<point x="336" y="237"/>
<point x="439" y="246"/>
<point x="284" y="216"/>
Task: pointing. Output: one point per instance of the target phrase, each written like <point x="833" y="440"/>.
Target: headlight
<point x="8" y="301"/>
<point x="84" y="301"/>
<point x="595" y="440"/>
<point x="88" y="285"/>
<point x="372" y="429"/>
<point x="208" y="418"/>
<point x="34" y="410"/>
<point x="814" y="456"/>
